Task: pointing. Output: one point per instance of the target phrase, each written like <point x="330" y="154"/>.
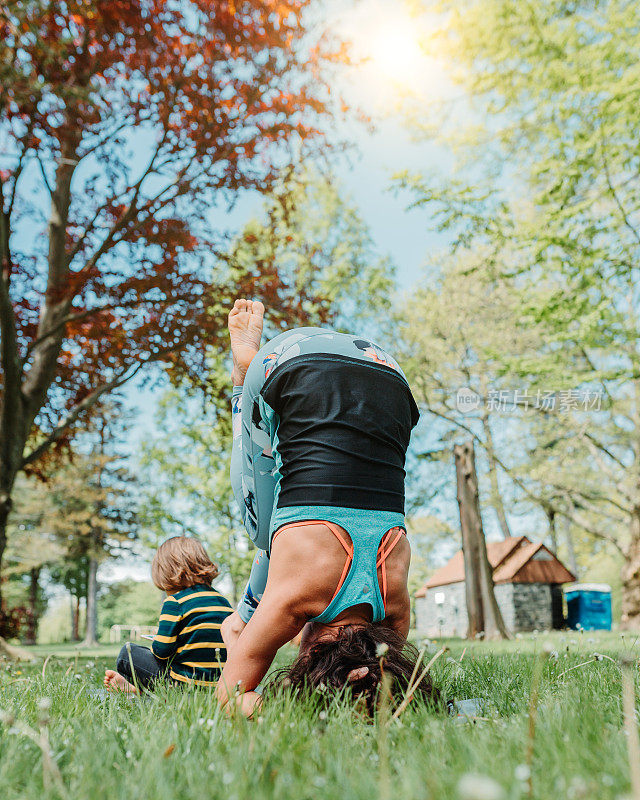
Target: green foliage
<point x="543" y="208"/>
<point x="128" y="603"/>
<point x="189" y="493"/>
<point x="177" y="744"/>
<point x="315" y="240"/>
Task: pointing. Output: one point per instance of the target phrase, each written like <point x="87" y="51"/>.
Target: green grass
<point x="177" y="745"/>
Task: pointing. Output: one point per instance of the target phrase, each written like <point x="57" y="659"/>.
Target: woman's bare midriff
<point x="320" y="557"/>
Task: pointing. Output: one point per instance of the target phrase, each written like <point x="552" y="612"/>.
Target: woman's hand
<point x="249" y="704"/>
<point x="231" y="629"/>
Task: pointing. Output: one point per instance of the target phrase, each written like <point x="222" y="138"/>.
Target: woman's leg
<point x="255" y="586"/>
<point x="253" y="468"/>
<point x="254" y="476"/>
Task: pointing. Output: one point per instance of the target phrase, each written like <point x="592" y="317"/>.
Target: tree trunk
<point x="631" y="576"/>
<point x="14" y="653"/>
<point x="24" y="393"/>
<point x="5" y="508"/>
<point x="496" y="497"/>
<point x="482" y="609"/>
<point x="553" y="534"/>
<point x="75" y="618"/>
<point x="91" y="636"/>
<point x="34" y="591"/>
<point x="573" y="561"/>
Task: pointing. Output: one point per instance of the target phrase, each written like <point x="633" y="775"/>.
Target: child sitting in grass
<point x="188" y="647"/>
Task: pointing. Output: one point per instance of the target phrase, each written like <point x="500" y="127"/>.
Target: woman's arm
<point x="275" y="622"/>
<point x="290" y="598"/>
<point x="231" y="629"/>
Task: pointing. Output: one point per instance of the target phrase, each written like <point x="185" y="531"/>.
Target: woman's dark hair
<point x="324" y="669"/>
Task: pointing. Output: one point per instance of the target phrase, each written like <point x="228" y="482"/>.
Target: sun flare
<point x="394" y="50"/>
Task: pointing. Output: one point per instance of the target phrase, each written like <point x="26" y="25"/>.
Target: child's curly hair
<point x="353" y="660"/>
<point x="181" y="562"/>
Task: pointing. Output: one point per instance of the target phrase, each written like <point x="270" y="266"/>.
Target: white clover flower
<point x="322" y="715"/>
<point x="382" y="649"/>
<point x="522" y="772"/>
<point x="578" y="787"/>
<point x="7" y="718"/>
<point x="479" y="787"/>
<point x="44" y="704"/>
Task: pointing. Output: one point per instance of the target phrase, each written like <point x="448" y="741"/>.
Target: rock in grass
<point x="14" y="653"/>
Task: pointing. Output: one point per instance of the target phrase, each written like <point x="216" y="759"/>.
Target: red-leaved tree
<point x="124" y="122"/>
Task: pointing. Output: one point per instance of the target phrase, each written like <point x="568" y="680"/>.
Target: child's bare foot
<point x="246" y="319"/>
<point x="115" y="682"/>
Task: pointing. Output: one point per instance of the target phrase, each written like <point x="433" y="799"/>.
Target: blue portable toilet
<point x="589" y="606"/>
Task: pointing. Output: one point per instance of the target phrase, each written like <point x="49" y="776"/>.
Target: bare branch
<point x="84" y="405"/>
<point x="612" y="190"/>
<point x="44" y="174"/>
<point x="579" y="521"/>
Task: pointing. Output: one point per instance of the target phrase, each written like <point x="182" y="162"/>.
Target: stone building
<point x="528" y="582"/>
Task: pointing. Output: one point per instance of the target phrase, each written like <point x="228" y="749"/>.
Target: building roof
<point x="514" y="560"/>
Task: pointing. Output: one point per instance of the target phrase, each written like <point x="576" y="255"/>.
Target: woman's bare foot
<point x="246" y="319"/>
<point x="115" y="682"/>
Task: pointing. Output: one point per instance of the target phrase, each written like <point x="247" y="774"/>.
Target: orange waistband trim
<point x="383" y="550"/>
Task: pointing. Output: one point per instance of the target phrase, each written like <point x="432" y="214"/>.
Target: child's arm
<point x="165" y="641"/>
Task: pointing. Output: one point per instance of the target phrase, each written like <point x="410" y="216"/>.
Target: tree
<point x="311" y="238"/>
<point x="187" y="470"/>
<point x="130" y="602"/>
<point x="32" y="548"/>
<point x="555" y="177"/>
<point x="484" y="614"/>
<point x="448" y="363"/>
<point x="125" y="123"/>
<point x="94" y="516"/>
<point x="82" y="515"/>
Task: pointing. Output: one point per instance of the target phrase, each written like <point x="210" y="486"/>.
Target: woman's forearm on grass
<point x="275" y="622"/>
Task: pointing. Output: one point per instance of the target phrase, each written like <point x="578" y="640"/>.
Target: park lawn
<point x="177" y="745"/>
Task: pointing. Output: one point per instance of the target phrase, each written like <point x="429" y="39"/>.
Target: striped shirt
<point x="189" y="634"/>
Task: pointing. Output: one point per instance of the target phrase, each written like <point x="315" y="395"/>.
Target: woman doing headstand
<point x="321" y="423"/>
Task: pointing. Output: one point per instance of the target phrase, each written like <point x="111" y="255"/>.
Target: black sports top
<point x="343" y="433"/>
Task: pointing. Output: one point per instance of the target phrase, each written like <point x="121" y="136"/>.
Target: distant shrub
<point x="17" y="622"/>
